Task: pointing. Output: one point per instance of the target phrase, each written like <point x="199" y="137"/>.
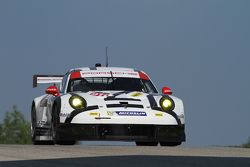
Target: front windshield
<point x="111" y="83"/>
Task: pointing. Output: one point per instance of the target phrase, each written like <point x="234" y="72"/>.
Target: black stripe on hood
<point x="76" y="112"/>
<point x="110" y="98"/>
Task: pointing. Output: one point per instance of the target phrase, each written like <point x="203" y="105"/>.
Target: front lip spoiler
<point x="121" y="132"/>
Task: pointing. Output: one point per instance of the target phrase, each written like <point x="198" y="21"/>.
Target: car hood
<point x="116" y="99"/>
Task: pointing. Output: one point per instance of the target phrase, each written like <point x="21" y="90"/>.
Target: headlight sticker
<point x="158" y="114"/>
<point x="110" y="113"/>
<point x="94" y="114"/>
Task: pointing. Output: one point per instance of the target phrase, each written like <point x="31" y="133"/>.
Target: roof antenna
<point x="107" y="59"/>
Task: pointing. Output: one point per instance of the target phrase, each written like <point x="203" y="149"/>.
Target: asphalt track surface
<point x="121" y="156"/>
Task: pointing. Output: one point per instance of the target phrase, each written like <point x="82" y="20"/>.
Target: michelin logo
<point x="131" y="113"/>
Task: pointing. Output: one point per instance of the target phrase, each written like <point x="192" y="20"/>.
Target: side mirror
<point x="52" y="90"/>
<point x="166" y="90"/>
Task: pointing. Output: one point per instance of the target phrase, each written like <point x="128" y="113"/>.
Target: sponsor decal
<point x="64" y="115"/>
<point x="97" y="73"/>
<point x="41" y="123"/>
<point x="110" y="113"/>
<point x="94" y="114"/>
<point x="47" y="79"/>
<point x="158" y="114"/>
<point x="136" y="94"/>
<point x="109" y="73"/>
<point x="131" y="113"/>
<point x="99" y="94"/>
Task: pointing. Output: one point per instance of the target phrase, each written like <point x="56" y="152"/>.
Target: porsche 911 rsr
<point x="106" y="103"/>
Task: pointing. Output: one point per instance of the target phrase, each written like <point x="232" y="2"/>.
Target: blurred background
<point x="198" y="48"/>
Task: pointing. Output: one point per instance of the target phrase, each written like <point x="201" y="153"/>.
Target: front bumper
<point x="132" y="132"/>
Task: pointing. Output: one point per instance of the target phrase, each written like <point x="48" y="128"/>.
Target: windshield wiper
<point x="112" y="79"/>
<point x="112" y="76"/>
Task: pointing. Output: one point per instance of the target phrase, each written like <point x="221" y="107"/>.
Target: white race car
<point x="106" y="103"/>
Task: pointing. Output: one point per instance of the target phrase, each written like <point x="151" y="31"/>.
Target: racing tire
<point x="54" y="124"/>
<point x="170" y="144"/>
<point x="66" y="143"/>
<point x="139" y="143"/>
<point x="33" y="129"/>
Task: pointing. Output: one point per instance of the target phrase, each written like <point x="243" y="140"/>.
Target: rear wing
<point x="45" y="79"/>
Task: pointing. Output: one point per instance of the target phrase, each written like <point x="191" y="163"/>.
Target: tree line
<point x="15" y="129"/>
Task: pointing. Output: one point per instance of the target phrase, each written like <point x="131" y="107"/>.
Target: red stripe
<point x="143" y="76"/>
<point x="75" y="75"/>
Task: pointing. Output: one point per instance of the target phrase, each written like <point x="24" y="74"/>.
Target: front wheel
<point x="33" y="124"/>
<point x="54" y="124"/>
<point x="170" y="144"/>
<point x="66" y="142"/>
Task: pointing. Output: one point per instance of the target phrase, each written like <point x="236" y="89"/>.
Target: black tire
<point x="33" y="129"/>
<point x="54" y="124"/>
<point x="170" y="144"/>
<point x="139" y="143"/>
<point x="33" y="124"/>
<point x="66" y="142"/>
<point x="43" y="143"/>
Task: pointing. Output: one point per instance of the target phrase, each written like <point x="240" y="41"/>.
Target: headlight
<point x="167" y="104"/>
<point x="77" y="102"/>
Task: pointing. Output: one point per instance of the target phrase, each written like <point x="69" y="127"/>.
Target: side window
<point x="79" y="85"/>
<point x="149" y="86"/>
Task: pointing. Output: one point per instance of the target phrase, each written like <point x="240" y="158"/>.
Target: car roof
<point x="104" y="69"/>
